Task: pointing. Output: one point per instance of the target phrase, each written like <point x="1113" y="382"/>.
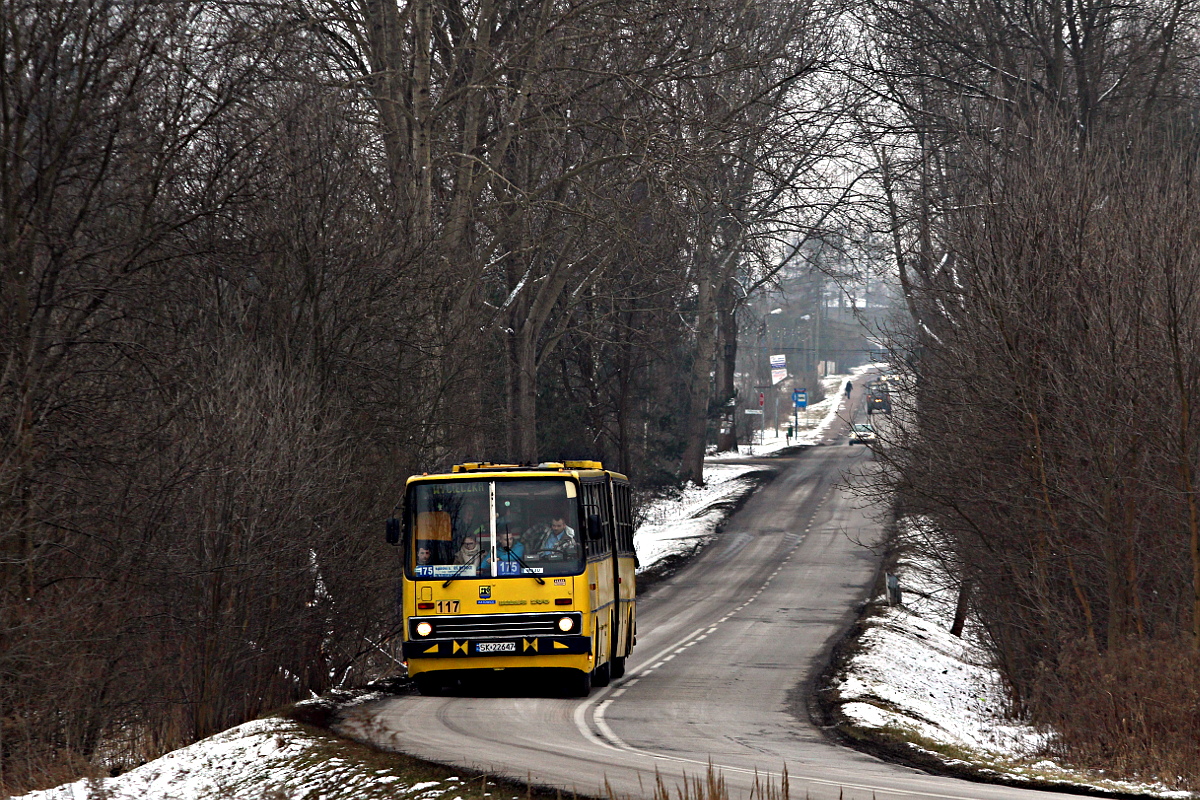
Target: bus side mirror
<point x="393" y="531"/>
<point x="595" y="532"/>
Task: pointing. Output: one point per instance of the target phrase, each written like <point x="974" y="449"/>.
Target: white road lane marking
<point x="608" y="738"/>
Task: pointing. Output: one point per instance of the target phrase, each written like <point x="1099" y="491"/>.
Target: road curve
<point x="719" y="675"/>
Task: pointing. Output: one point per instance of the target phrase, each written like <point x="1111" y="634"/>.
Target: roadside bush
<point x="1134" y="707"/>
<point x="1051" y="434"/>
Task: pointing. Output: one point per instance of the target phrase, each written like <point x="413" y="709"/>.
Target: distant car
<point x="862" y="433"/>
<point x="879" y="401"/>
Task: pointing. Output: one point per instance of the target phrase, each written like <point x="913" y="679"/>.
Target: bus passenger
<point x="561" y="536"/>
<point x="508" y="548"/>
<point x="471" y="522"/>
<point x="469" y="552"/>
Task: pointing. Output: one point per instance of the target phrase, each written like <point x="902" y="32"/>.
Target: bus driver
<point x="557" y="537"/>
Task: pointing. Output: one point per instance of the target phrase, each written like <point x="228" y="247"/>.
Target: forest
<point x="1046" y="237"/>
<point x="261" y="261"/>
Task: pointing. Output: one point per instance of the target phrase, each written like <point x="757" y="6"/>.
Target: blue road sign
<point x="800" y="398"/>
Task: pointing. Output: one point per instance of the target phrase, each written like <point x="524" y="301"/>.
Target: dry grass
<point x="1134" y="708"/>
<point x="32" y="771"/>
<point x="711" y="786"/>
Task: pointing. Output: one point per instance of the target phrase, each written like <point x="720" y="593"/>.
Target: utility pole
<point x="817" y="327"/>
<point x="762" y="412"/>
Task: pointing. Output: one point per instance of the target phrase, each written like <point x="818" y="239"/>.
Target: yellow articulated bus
<point x="509" y="567"/>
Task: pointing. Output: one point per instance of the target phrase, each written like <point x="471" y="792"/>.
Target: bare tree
<point x="179" y="365"/>
<point x="1050" y="361"/>
<point x="759" y="185"/>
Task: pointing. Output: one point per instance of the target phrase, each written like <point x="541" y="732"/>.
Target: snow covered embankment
<point x="283" y="760"/>
<point x="675" y="527"/>
<point x="910" y="688"/>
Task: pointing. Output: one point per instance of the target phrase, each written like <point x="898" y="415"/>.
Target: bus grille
<point x="499" y="625"/>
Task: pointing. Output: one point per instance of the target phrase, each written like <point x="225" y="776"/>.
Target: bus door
<point x="597" y="501"/>
<point x="627" y="561"/>
<point x="610" y="535"/>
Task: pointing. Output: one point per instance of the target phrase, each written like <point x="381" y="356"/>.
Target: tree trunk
<point x="961" y="607"/>
<point x="422" y="120"/>
<point x="692" y="468"/>
<point x="726" y="362"/>
<point x="524" y="421"/>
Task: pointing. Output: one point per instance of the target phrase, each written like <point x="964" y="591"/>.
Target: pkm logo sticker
<point x="485" y="592"/>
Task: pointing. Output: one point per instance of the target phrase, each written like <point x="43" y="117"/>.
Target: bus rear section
<point x="510" y="570"/>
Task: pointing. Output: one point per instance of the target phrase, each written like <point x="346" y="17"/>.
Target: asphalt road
<point x="719" y="675"/>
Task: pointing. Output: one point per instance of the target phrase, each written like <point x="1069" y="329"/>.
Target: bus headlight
<point x="424" y="629"/>
<point x="565" y="624"/>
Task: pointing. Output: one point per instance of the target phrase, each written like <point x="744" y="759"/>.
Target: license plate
<point x="496" y="647"/>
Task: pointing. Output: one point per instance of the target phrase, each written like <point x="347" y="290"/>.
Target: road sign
<point x="754" y="411"/>
<point x="778" y="368"/>
<point x="800" y="398"/>
<point x="762" y="399"/>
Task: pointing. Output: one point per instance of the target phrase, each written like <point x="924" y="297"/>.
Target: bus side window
<point x="621" y="518"/>
<point x="596" y="535"/>
<point x="606" y="517"/>
<point x="627" y="520"/>
<point x="589" y="511"/>
<point x="626" y="523"/>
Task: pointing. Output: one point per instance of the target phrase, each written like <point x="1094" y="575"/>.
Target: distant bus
<point x="508" y="567"/>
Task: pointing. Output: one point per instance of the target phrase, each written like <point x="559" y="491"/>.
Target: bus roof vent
<point x="474" y="465"/>
<point x="551" y="465"/>
<point x="583" y="465"/>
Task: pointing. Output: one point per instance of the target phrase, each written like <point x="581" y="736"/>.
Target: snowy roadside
<point x="815" y="421"/>
<point x="907" y="688"/>
<point x="676" y="527"/>
<point x="282" y="759"/>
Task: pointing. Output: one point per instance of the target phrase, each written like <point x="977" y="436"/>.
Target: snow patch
<point x="910" y="678"/>
<point x="676" y="525"/>
<point x="264" y="758"/>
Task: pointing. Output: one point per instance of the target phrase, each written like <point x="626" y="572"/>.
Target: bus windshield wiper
<point x="458" y="572"/>
<point x="521" y="561"/>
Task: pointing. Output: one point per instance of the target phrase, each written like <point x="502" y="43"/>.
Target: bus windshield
<point x="535" y="522"/>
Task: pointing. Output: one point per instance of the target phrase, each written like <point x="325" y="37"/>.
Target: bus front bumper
<point x="517" y="646"/>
